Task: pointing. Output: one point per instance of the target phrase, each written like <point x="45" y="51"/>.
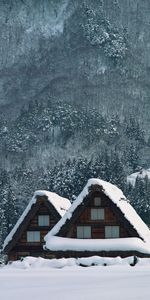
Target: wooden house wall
<point x="22" y="246"/>
<point x="111" y="218"/>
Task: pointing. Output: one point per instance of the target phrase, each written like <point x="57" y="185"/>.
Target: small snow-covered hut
<point x="102" y="222"/>
<point x="27" y="237"/>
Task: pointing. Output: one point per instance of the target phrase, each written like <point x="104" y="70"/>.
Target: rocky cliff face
<point x="93" y="53"/>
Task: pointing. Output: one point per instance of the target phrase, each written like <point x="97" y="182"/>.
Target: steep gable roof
<point x="117" y="197"/>
<point x="60" y="204"/>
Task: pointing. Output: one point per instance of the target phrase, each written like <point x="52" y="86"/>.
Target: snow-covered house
<point x="100" y="222"/>
<point x="27" y="237"/>
<point x="142" y="174"/>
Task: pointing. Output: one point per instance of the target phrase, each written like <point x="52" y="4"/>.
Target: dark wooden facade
<point x="113" y="216"/>
<point x="19" y="246"/>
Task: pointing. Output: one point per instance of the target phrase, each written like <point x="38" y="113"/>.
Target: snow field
<point x="70" y="283"/>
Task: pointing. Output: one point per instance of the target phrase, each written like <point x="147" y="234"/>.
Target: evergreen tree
<point x="117" y="174"/>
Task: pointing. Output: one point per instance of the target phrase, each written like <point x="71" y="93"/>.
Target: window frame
<point x="99" y="214"/>
<point x="42" y="223"/>
<point x="82" y="230"/>
<point x="96" y="198"/>
<point x="111" y="234"/>
<point x="31" y="236"/>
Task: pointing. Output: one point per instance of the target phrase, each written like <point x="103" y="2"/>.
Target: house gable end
<point x="82" y="217"/>
<point x="41" y="201"/>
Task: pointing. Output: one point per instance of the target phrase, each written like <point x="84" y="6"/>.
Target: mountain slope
<point x="74" y="98"/>
<point x="85" y="52"/>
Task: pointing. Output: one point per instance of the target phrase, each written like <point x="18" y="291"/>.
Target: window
<point x="111" y="232"/>
<point x="97" y="214"/>
<point x="83" y="232"/>
<point x="33" y="236"/>
<point x="97" y="201"/>
<point x="43" y="220"/>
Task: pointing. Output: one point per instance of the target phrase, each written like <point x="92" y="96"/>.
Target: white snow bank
<point x="121" y="244"/>
<point x="30" y="262"/>
<point x="141" y="175"/>
<point x="117" y="196"/>
<point x="39" y="262"/>
<point x="60" y="204"/>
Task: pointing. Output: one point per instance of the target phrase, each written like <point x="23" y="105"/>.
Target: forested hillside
<point x="59" y="147"/>
<point x="74" y="99"/>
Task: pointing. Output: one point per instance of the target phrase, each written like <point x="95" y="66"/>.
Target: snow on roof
<point x="60" y="204"/>
<point x="141" y="174"/>
<point x="71" y="244"/>
<point x="117" y="196"/>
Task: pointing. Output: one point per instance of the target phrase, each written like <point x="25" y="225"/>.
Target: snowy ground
<point x="75" y="282"/>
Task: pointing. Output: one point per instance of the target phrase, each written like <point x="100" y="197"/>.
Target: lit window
<point x="43" y="220"/>
<point x="97" y="201"/>
<point x="97" y="214"/>
<point x="33" y="236"/>
<point x="111" y="232"/>
<point x="83" y="232"/>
